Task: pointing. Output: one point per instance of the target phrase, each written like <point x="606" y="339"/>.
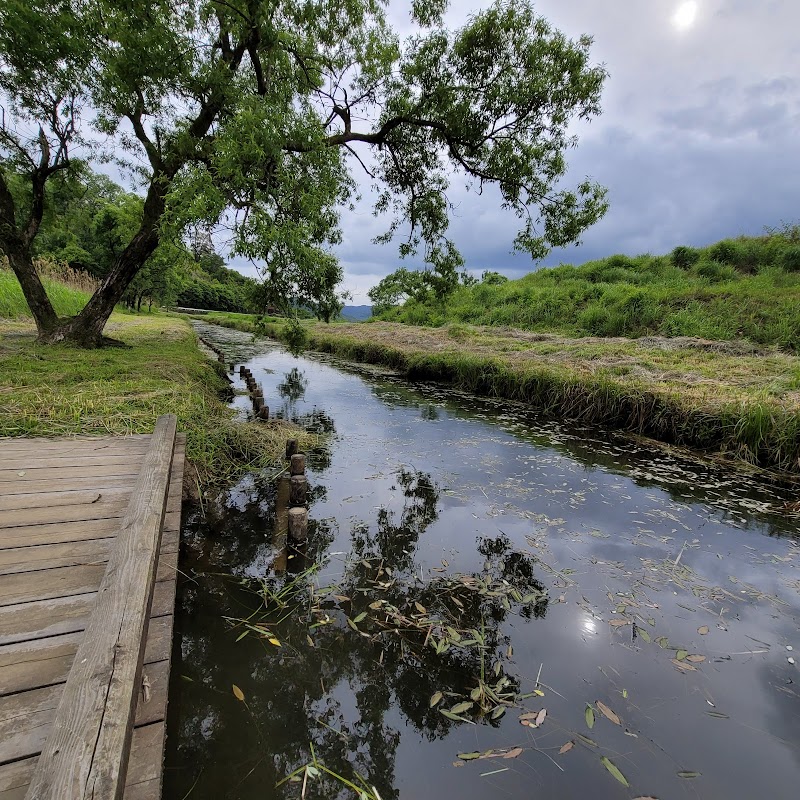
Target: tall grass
<point x="738" y="288"/>
<point x="69" y="290"/>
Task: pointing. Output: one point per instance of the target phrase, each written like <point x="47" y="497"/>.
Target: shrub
<point x="715" y="272"/>
<point x="685" y="257"/>
<point x="790" y="258"/>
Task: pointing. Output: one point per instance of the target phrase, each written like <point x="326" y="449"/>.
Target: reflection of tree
<point x="326" y="684"/>
<point x="294" y="386"/>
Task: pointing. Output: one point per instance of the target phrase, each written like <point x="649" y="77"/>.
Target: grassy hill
<point x="737" y="288"/>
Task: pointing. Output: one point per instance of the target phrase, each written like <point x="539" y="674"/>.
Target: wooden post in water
<point x="291" y="448"/>
<point x="258" y="404"/>
<point x="281" y="526"/>
<point x="297" y="464"/>
<point x="298" y="490"/>
<point x="298" y="524"/>
<point x="263" y="413"/>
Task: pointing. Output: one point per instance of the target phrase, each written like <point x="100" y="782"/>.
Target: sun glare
<point x="685" y="15"/>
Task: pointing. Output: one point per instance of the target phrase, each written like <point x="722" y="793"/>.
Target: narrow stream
<point x="592" y="567"/>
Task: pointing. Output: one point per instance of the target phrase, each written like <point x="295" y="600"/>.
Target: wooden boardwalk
<point x="73" y="533"/>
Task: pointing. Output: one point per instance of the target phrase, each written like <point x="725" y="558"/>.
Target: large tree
<point x="254" y="111"/>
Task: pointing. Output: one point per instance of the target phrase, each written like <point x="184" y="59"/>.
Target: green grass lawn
<point x="66" y="301"/>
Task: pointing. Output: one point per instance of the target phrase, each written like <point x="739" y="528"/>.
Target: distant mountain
<point x="356" y="313"/>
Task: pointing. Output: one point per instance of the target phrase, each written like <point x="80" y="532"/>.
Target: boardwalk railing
<point x="86" y="753"/>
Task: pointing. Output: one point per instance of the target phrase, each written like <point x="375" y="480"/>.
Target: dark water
<point x="433" y="484"/>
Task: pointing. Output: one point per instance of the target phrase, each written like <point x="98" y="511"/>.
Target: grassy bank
<point x="739" y="288"/>
<point x="68" y="292"/>
<point x="62" y="391"/>
<point x="722" y="398"/>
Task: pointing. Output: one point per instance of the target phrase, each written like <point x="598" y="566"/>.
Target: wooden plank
<point x="15" y="477"/>
<point x="78" y="444"/>
<point x="102" y="509"/>
<point x="29" y="587"/>
<point x="86" y="753"/>
<point x="25" y="621"/>
<point x="147" y="747"/>
<point x="63" y="497"/>
<point x="56" y="532"/>
<point x="68" y="554"/>
<point x="46" y="662"/>
<point x="24" y="462"/>
<point x="27" y="719"/>
<point x="99" y="482"/>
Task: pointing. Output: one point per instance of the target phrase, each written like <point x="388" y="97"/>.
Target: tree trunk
<point x="86" y="330"/>
<point x="139" y="304"/>
<point x="32" y="288"/>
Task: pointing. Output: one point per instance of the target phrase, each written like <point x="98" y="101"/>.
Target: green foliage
<point x="248" y="111"/>
<point x="754" y="293"/>
<point x="67" y="301"/>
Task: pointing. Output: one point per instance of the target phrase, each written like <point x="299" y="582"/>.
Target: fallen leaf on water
<point x="498" y="712"/>
<point x="238" y="693"/>
<point x="469" y="756"/>
<point x="517" y="751"/>
<point x="681" y="654"/>
<point x="587" y="740"/>
<point x="361" y="617"/>
<point x="565" y="748"/>
<point x="649" y="797"/>
<point x="703" y="630"/>
<point x="643" y="634"/>
<point x="614" y="770"/>
<point x="460" y="708"/>
<point x="436" y="698"/>
<point x="589" y="716"/>
<point x="274" y="641"/>
<point x="607" y="712"/>
<point x="445" y="713"/>
<point x="717" y="714"/>
<point x="376" y="605"/>
<point x="618" y="623"/>
<point x="695" y="659"/>
<point x="689" y="774"/>
<point x="682" y="665"/>
<point x="420" y="608"/>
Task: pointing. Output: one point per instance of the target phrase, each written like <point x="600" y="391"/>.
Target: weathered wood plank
<point x="147" y="747"/>
<point x="21" y="461"/>
<point x="102" y="509"/>
<point x="64" y="497"/>
<point x="99" y="482"/>
<point x="80" y="444"/>
<point x="86" y="753"/>
<point x="26" y="621"/>
<point x="29" y="587"/>
<point x="46" y="662"/>
<point x="15" y="477"/>
<point x="54" y="533"/>
<point x="26" y="718"/>
<point x="68" y="554"/>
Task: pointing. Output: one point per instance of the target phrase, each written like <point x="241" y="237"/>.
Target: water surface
<point x="666" y="588"/>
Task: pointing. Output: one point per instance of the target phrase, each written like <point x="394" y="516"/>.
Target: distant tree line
<point x="89" y="219"/>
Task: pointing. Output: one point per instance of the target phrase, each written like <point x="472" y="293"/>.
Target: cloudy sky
<point x="699" y="137"/>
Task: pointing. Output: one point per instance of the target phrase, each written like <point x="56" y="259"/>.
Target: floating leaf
<point x="717" y="714"/>
<point x="460" y="708"/>
<point x="238" y="693"/>
<point x="498" y="712"/>
<point x="361" y="617"/>
<point x="663" y="642"/>
<point x="445" y="713"/>
<point x="469" y="756"/>
<point x="682" y="665"/>
<point x="476" y="693"/>
<point x="274" y="641"/>
<point x="614" y="770"/>
<point x="589" y="715"/>
<point x="242" y="635"/>
<point x="703" y="630"/>
<point x="587" y="740"/>
<point x="376" y="605"/>
<point x="540" y="717"/>
<point x="689" y="774"/>
<point x="607" y="712"/>
<point x="565" y="748"/>
<point x="645" y="798"/>
<point x="517" y="751"/>
<point x="310" y="641"/>
<point x="696" y="659"/>
<point x="352" y="624"/>
<point x="420" y="608"/>
<point x="618" y="623"/>
<point x="681" y="654"/>
<point x="643" y="634"/>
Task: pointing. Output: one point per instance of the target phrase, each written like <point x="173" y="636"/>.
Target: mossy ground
<point x="63" y="391"/>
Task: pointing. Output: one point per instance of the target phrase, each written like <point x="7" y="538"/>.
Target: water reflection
<point x="627" y="555"/>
